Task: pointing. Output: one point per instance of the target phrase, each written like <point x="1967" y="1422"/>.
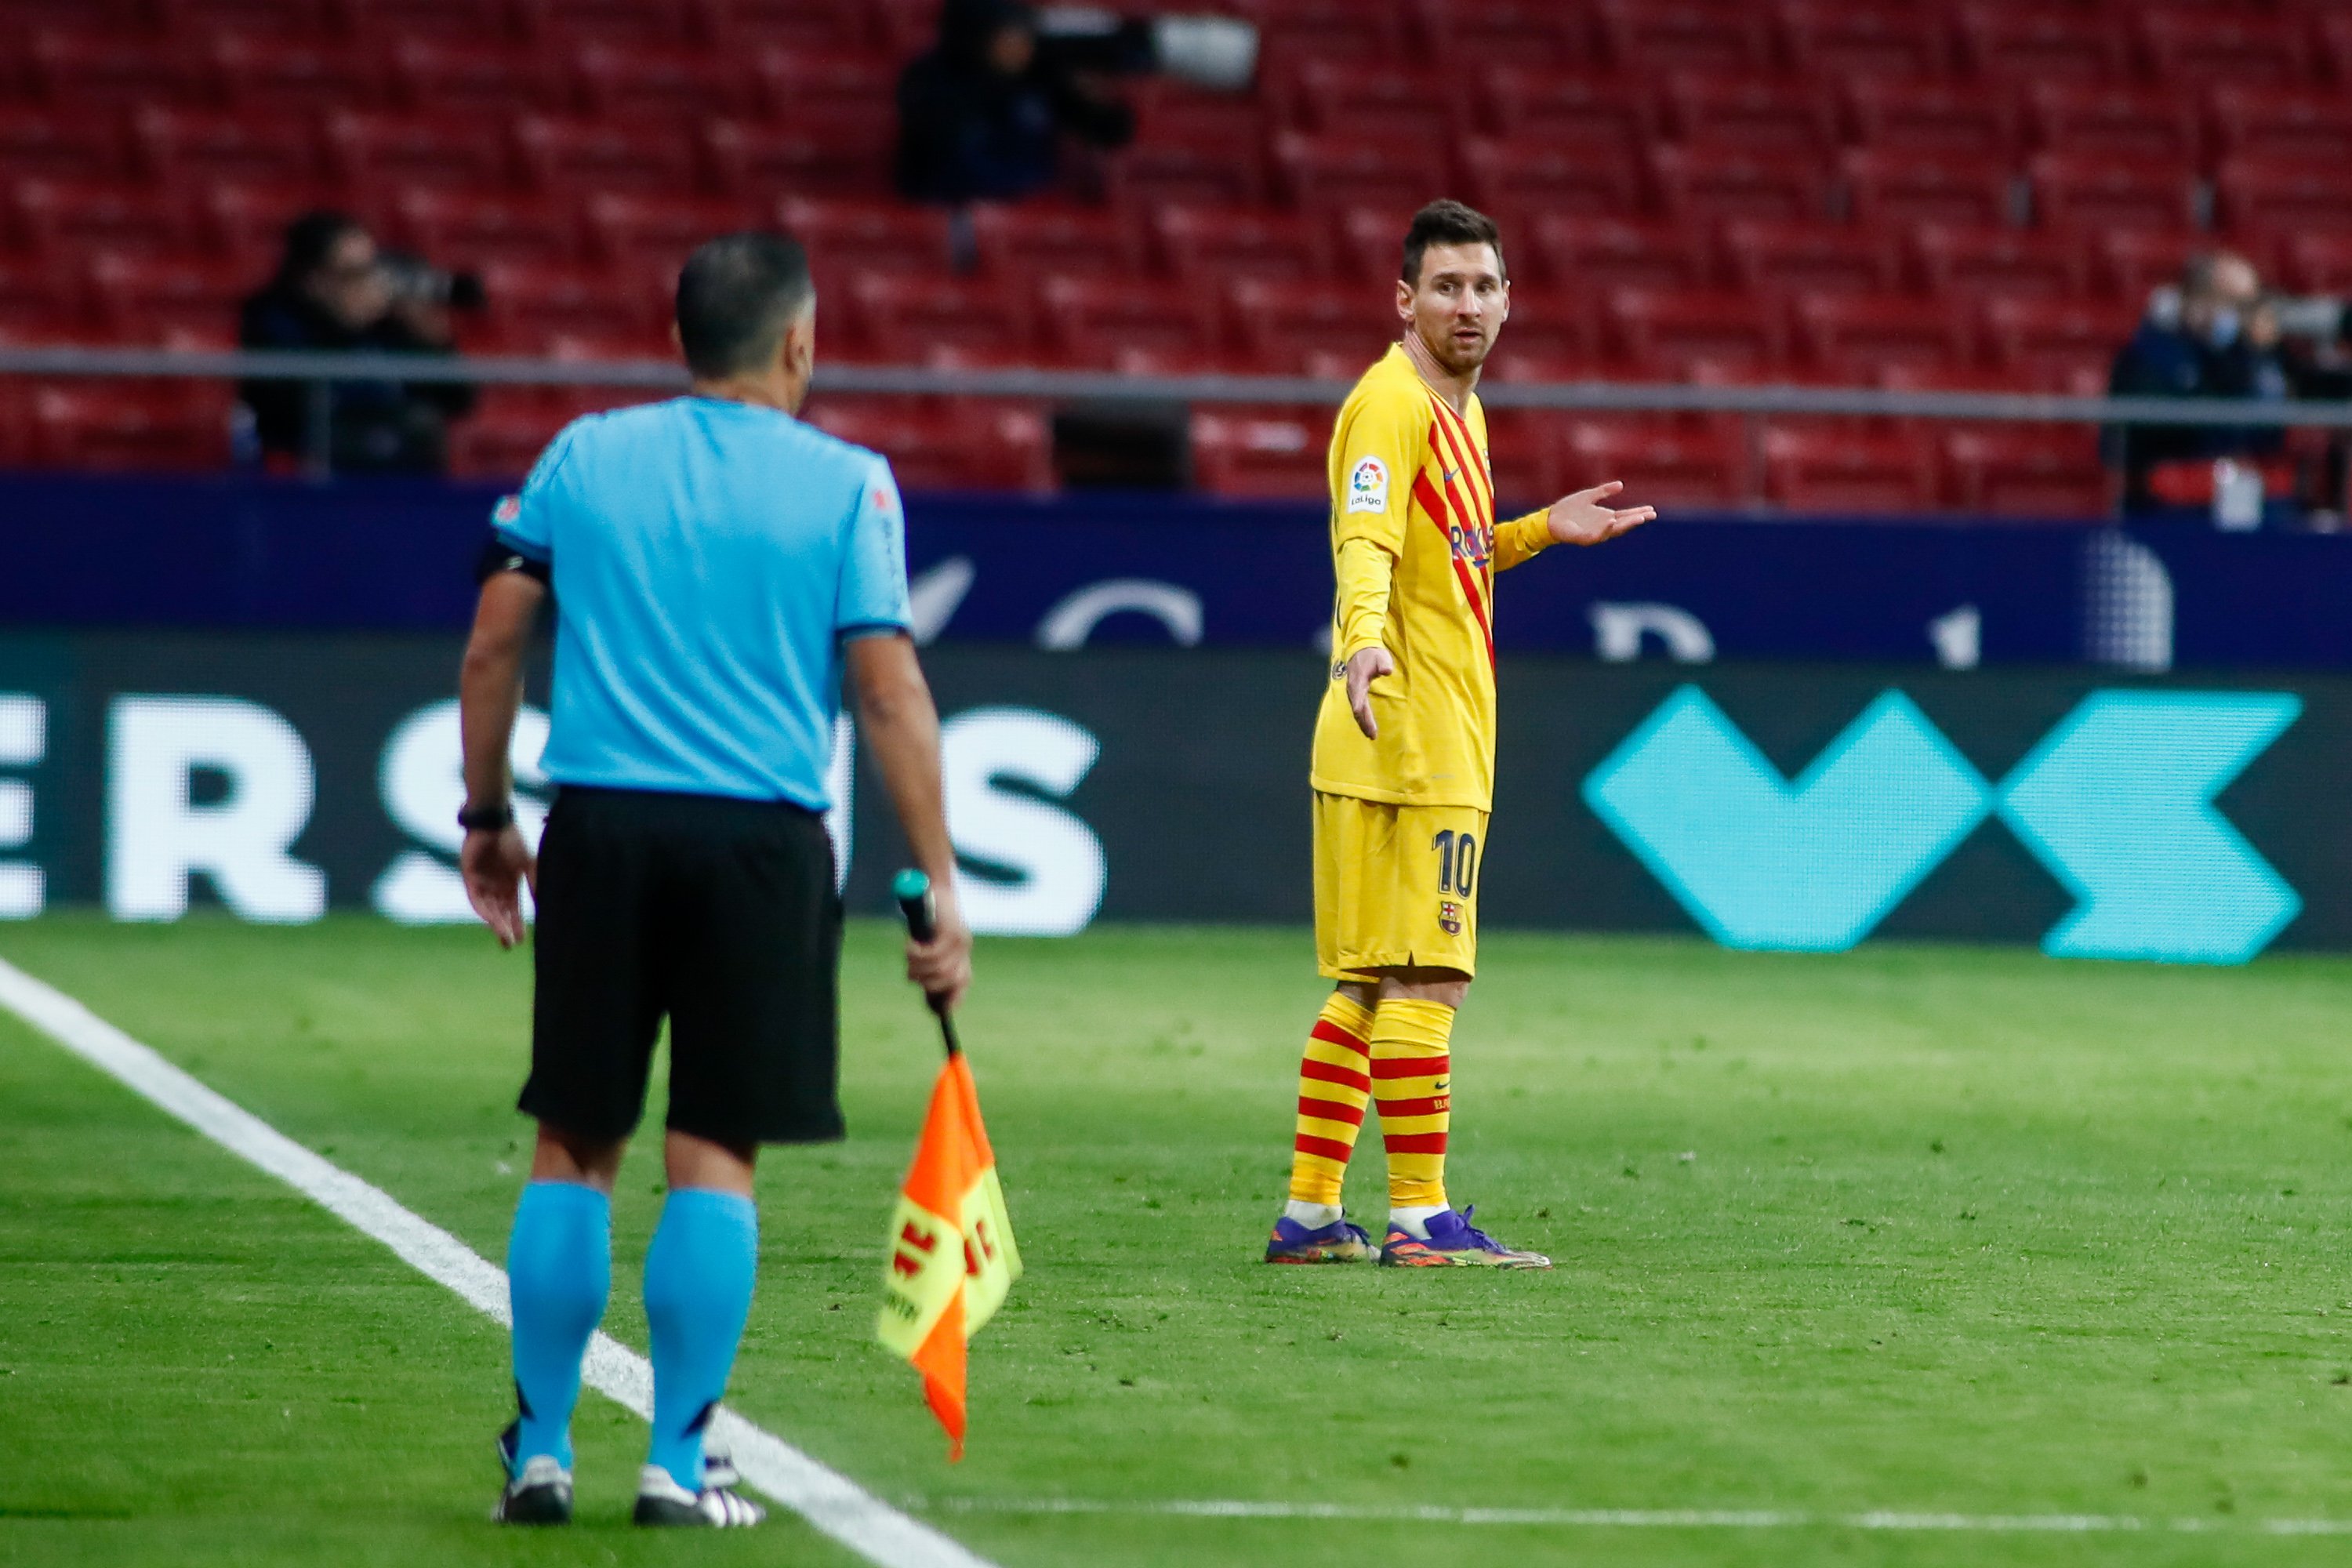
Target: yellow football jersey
<point x="1415" y="548"/>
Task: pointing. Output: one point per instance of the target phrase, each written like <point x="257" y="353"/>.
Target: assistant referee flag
<point x="952" y="1258"/>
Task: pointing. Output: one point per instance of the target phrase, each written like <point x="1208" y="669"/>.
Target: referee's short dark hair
<point x="736" y="296"/>
<point x="1448" y="223"/>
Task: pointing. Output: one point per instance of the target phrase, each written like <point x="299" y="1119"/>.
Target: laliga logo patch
<point x="1368" y="487"/>
<point x="1449" y="917"/>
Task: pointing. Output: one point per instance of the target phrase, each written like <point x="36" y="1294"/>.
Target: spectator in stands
<point x="982" y="116"/>
<point x="2217" y="337"/>
<point x="334" y="292"/>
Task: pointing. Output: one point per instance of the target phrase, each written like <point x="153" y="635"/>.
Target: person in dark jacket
<point x="982" y="116"/>
<point x="334" y="293"/>
<point x="2222" y="340"/>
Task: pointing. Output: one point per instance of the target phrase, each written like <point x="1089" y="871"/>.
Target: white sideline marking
<point x="1639" y="1518"/>
<point x="835" y="1504"/>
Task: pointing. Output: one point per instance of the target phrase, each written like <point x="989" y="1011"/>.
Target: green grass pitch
<point x="1913" y="1229"/>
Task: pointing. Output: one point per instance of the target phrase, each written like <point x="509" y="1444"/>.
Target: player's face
<point x="1459" y="305"/>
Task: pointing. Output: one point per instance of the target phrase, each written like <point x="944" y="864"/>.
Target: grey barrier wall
<point x="1765" y="805"/>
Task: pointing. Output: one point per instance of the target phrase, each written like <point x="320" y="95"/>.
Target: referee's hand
<point x="942" y="966"/>
<point x="497" y="864"/>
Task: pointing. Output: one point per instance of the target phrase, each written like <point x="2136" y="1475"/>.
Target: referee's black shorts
<point x="720" y="914"/>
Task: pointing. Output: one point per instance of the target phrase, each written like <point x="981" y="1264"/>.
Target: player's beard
<point x="1457" y="358"/>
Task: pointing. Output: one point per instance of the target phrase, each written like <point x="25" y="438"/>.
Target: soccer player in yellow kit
<point x="1404" y="752"/>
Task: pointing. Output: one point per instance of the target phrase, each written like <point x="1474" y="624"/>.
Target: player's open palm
<point x="496" y="865"/>
<point x="1583" y="518"/>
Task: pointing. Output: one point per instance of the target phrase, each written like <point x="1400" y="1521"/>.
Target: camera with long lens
<point x="417" y="281"/>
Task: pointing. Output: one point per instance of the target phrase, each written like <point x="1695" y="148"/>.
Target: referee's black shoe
<point x="662" y="1501"/>
<point x="541" y="1494"/>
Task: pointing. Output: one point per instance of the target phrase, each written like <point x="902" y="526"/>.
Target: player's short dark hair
<point x="1448" y="223"/>
<point x="736" y="296"/>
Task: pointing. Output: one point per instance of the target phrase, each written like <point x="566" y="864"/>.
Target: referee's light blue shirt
<point x="708" y="559"/>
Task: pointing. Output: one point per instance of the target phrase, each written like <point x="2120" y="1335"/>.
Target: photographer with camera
<point x="335" y="291"/>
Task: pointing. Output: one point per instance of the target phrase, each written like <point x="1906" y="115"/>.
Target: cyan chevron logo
<point x="2117" y="802"/>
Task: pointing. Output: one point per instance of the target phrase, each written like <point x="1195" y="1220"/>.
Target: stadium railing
<point x="1756" y="402"/>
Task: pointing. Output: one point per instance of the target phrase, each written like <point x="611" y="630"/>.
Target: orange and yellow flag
<point x="953" y="1259"/>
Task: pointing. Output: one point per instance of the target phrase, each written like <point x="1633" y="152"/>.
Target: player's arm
<point x="494" y="857"/>
<point x="900" y="726"/>
<point x="1381" y="448"/>
<point x="1579" y="519"/>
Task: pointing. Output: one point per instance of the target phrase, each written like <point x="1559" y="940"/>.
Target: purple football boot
<point x="1337" y="1242"/>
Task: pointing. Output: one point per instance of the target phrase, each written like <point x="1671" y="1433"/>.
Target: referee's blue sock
<point x="698" y="1275"/>
<point x="559" y="1269"/>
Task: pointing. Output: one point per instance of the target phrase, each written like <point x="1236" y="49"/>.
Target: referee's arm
<point x="494" y="859"/>
<point x="900" y="728"/>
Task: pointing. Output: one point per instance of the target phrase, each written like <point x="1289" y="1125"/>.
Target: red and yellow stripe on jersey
<point x="1415" y="548"/>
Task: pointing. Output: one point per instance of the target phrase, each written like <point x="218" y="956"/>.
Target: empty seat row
<point x="889" y="27"/>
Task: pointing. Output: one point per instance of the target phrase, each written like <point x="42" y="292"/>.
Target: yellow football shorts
<point x="1395" y="886"/>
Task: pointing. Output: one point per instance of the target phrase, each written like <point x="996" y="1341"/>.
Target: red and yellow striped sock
<point x="1412" y="1076"/>
<point x="1334" y="1084"/>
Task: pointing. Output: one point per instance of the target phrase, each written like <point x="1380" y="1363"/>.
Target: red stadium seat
<point x="468" y="228"/>
<point x="2266" y="122"/>
<point x="1721" y="184"/>
<point x="663" y="82"/>
<point x="1192" y="148"/>
<point x="866" y="238"/>
<point x="1331" y="173"/>
<point x="1971" y="264"/>
<point x="280" y="19"/>
<point x="2057" y="346"/>
<point x="845" y="27"/>
<point x="1899" y="115"/>
<point x="2044" y="43"/>
<point x="1024" y="241"/>
<point x="180" y="149"/>
<point x="1903" y="190"/>
<point x="282" y="76"/>
<point x="2150" y="124"/>
<point x="1087" y="320"/>
<point x="2333" y="27"/>
<point x="38" y="301"/>
<point x="2027" y="471"/>
<point x="89" y="218"/>
<point x="1553" y="330"/>
<point x="1786" y="259"/>
<point x="79" y="71"/>
<point x="1832" y="41"/>
<point x="38" y="143"/>
<point x="2091" y="192"/>
<point x="1816" y="469"/>
<point x="397" y="152"/>
<point x="507" y="431"/>
<point x="1283" y="323"/>
<point x="439" y="77"/>
<point x="1540" y="34"/>
<point x="796" y="83"/>
<point x="2320" y="263"/>
<point x="1340" y="98"/>
<point x="992" y="445"/>
<point x="905" y="318"/>
<point x="1757" y="114"/>
<point x="1662" y="333"/>
<point x="1210" y="245"/>
<point x="126" y="425"/>
<point x="649" y="238"/>
<point x="1294" y="30"/>
<point x="1668" y="462"/>
<point x="1653" y="35"/>
<point x="1851" y="337"/>
<point x="2262" y="195"/>
<point x="531" y="303"/>
<point x="2132" y="261"/>
<point x="1523" y="459"/>
<point x="1603" y="253"/>
<point x="382" y="22"/>
<point x="1522" y="180"/>
<point x="582" y="156"/>
<point x="554" y="23"/>
<point x="139" y="299"/>
<point x="2185" y="47"/>
<point x="1273" y="452"/>
<point x="248" y="222"/>
<point x="761" y="162"/>
<point x="1570" y="112"/>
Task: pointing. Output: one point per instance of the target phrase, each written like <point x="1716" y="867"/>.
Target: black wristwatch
<point x="486" y="819"/>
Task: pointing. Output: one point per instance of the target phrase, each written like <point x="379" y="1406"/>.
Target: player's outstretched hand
<point x="1581" y="519"/>
<point x="495" y="867"/>
<point x="942" y="966"/>
<point x="1369" y="665"/>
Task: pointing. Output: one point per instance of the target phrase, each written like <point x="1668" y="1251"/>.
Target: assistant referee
<point x="717" y="567"/>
